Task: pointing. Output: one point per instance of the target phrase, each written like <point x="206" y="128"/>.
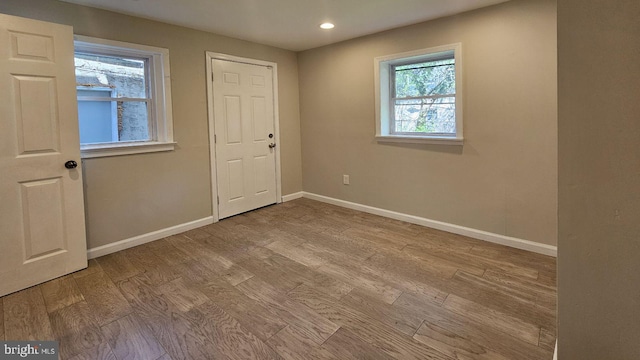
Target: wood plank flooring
<point x="299" y="280"/>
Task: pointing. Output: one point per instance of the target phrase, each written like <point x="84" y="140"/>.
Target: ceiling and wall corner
<point x="290" y="24"/>
<point x="133" y="195"/>
<point x="503" y="180"/>
<point x="487" y="185"/>
<point x="597" y="142"/>
<point x="481" y="188"/>
<point x="163" y="190"/>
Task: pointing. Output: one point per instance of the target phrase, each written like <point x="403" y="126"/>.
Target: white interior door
<point x="244" y="136"/>
<point x="42" y="230"/>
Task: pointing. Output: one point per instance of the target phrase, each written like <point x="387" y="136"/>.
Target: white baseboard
<point x="456" y="229"/>
<point x="555" y="352"/>
<point x="145" y="238"/>
<point x="293" y="196"/>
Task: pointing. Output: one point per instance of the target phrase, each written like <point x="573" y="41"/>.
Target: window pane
<point x="426" y="115"/>
<point x="97" y="122"/>
<point x="113" y="121"/>
<point x="426" y="78"/>
<point x="132" y="121"/>
<point x="127" y="76"/>
<point x="94" y="93"/>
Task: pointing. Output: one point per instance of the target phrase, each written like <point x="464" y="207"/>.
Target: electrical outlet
<point x="345" y="179"/>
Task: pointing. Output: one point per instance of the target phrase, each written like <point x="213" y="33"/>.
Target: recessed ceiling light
<point x="327" y="26"/>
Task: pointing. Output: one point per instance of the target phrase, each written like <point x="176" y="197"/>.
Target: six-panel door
<point x="244" y="122"/>
<point x="42" y="228"/>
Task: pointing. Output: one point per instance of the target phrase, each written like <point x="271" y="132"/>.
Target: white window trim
<point x="160" y="89"/>
<point x="382" y="76"/>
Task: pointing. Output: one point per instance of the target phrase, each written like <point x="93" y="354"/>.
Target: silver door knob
<point x="272" y="145"/>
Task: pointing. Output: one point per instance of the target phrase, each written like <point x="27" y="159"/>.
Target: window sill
<point x="408" y="139"/>
<point x="105" y="150"/>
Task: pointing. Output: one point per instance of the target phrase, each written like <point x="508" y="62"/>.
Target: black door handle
<point x="71" y="164"/>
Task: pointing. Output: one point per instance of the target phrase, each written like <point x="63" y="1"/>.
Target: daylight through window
<point x="418" y="96"/>
<point x="112" y="98"/>
<point x="123" y="97"/>
<point x="424" y="99"/>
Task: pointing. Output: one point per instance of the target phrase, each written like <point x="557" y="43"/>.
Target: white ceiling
<point x="290" y="24"/>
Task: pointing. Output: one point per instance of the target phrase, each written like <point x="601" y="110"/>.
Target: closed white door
<point x="42" y="230"/>
<point x="244" y="136"/>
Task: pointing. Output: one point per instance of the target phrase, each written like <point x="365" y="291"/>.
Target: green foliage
<point x="420" y="82"/>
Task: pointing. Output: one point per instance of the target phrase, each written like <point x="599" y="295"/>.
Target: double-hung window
<point x="419" y="96"/>
<point x="124" y="98"/>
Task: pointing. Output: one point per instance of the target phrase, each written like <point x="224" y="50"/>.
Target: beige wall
<point x="132" y="195"/>
<point x="599" y="179"/>
<point x="504" y="178"/>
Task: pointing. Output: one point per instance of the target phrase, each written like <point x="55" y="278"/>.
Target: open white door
<point x="42" y="229"/>
<point x="245" y="139"/>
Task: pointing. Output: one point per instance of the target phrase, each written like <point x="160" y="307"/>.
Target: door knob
<point x="71" y="164"/>
<point x="272" y="145"/>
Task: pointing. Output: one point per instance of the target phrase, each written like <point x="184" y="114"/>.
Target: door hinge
<point x="215" y="139"/>
<point x="212" y="78"/>
<point x="218" y="199"/>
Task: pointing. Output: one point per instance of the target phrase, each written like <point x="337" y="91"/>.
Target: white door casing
<point x="42" y="225"/>
<point x="244" y="117"/>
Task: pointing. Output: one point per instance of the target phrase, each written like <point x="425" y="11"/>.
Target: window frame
<point x="159" y="107"/>
<point x="384" y="89"/>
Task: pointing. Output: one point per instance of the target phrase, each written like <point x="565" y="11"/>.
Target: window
<point x="419" y="96"/>
<point x="124" y="98"/>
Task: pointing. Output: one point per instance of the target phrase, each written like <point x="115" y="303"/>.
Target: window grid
<point x="428" y="104"/>
<point x="143" y="113"/>
<point x="439" y="106"/>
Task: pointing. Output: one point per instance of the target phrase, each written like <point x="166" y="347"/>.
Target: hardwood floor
<point x="299" y="280"/>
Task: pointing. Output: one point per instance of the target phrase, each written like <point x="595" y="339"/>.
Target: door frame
<point x="210" y="56"/>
